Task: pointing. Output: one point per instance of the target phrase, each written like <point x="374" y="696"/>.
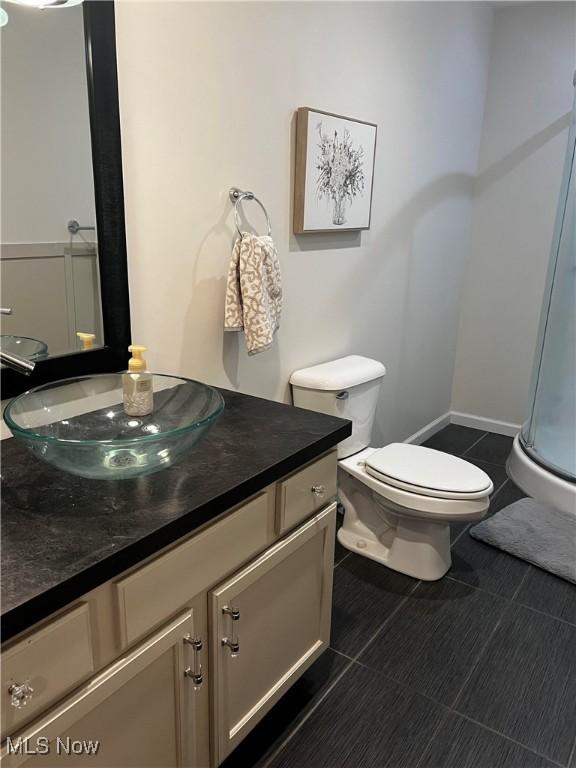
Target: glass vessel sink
<point x="31" y="349"/>
<point x="79" y="425"/>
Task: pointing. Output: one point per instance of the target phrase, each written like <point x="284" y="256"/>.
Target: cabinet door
<point x="140" y="710"/>
<point x="269" y="622"/>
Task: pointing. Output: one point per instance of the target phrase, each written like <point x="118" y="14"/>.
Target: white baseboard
<point x="430" y="429"/>
<point x="488" y="425"/>
<point x="464" y="420"/>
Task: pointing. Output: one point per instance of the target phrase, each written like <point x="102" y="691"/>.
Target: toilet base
<point x="374" y="528"/>
<point x="413" y="547"/>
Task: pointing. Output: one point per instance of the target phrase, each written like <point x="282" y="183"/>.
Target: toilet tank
<point x="347" y="387"/>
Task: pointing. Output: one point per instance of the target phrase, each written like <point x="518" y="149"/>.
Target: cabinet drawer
<point x="51" y="661"/>
<point x="306" y="491"/>
<point x="155" y="592"/>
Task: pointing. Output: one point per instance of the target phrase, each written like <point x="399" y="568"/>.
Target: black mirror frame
<point x="100" y="37"/>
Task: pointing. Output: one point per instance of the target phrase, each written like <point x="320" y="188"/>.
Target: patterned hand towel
<point x="254" y="291"/>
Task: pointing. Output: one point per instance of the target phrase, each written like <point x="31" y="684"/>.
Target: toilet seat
<point x="427" y="472"/>
<point x="412" y="501"/>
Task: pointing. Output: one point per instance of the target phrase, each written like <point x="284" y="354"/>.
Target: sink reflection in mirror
<point x="30" y="349"/>
<point x="49" y="266"/>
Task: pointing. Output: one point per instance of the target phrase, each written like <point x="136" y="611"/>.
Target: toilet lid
<point x="430" y="472"/>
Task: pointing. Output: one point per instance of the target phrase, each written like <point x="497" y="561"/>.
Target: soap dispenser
<point x="137" y="385"/>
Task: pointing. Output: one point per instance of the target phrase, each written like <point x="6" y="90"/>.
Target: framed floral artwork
<point x="334" y="172"/>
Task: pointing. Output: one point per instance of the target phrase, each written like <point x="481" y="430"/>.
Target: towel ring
<point x="236" y="196"/>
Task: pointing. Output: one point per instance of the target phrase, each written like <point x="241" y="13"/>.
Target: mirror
<point x="63" y="265"/>
<point x="49" y="266"/>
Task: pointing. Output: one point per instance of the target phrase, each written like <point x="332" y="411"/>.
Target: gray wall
<point x="516" y="194"/>
<point x="208" y="93"/>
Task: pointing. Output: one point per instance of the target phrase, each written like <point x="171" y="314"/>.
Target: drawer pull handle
<point x="233" y="642"/>
<point x="343" y="395"/>
<point x="195" y="673"/>
<point x="318" y="490"/>
<point x="20" y="694"/>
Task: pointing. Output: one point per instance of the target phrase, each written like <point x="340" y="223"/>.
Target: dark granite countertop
<point x="64" y="535"/>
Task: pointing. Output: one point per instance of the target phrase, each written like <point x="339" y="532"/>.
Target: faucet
<point x="17" y="363"/>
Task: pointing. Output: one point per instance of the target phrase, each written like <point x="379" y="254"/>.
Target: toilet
<point x="398" y="500"/>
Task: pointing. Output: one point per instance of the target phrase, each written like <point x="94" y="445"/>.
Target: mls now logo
<point x="42" y="746"/>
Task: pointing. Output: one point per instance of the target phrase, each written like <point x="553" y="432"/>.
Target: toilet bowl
<point x="403" y="523"/>
<point x="398" y="500"/>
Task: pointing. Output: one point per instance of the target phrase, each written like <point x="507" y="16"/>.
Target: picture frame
<point x="334" y="173"/>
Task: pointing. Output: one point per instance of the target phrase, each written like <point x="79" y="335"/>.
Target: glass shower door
<point x="549" y="435"/>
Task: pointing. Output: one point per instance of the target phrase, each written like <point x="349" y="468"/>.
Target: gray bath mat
<point x="534" y="532"/>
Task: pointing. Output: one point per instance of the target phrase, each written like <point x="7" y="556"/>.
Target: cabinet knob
<point x="20" y="694"/>
<point x="318" y="490"/>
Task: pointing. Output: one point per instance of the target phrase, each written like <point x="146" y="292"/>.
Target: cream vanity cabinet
<point x="138" y="712"/>
<point x="173" y="663"/>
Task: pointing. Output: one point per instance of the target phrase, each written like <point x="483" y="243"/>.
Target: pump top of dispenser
<point x="136" y="364"/>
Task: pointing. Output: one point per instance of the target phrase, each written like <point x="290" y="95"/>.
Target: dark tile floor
<point x="477" y="670"/>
